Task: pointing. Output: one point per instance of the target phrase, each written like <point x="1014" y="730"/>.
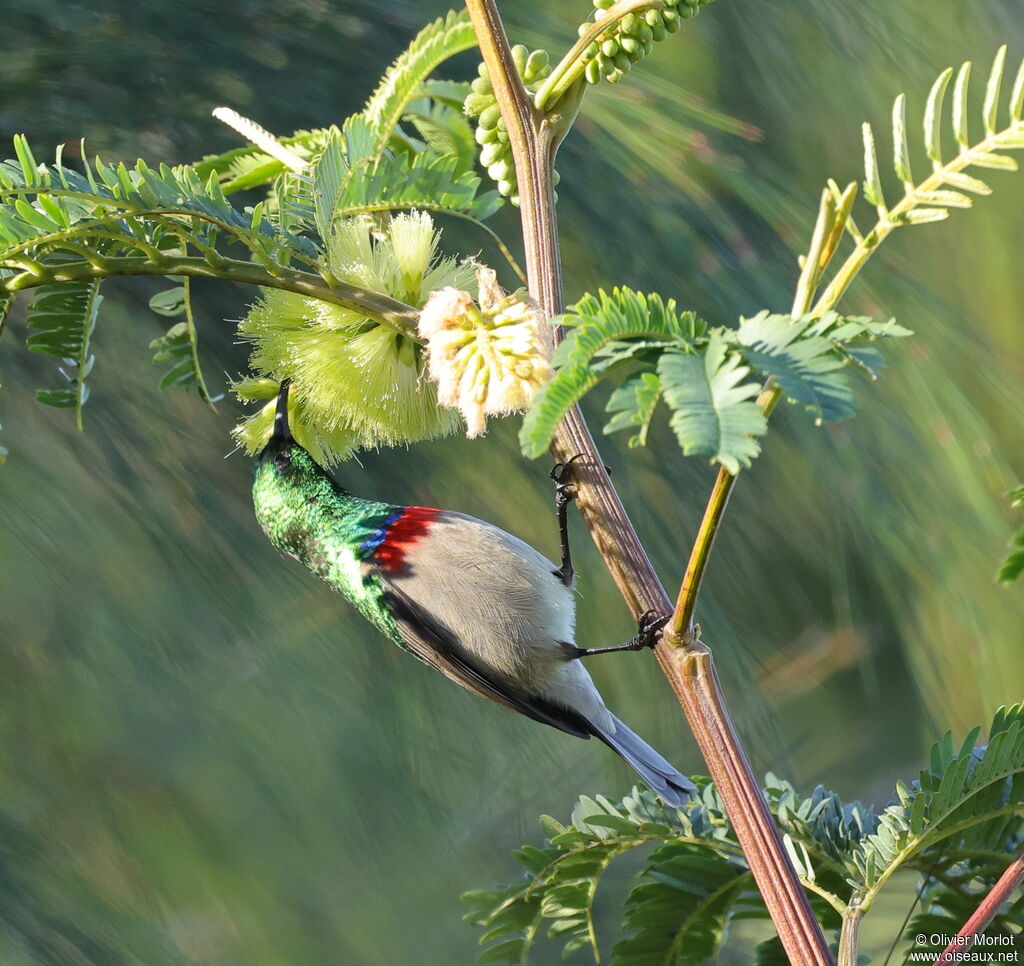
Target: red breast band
<point x="408" y="530"/>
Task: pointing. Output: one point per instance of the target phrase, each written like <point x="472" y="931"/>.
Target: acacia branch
<point x="984" y="914"/>
<point x="686" y="662"/>
<point x="381" y="308"/>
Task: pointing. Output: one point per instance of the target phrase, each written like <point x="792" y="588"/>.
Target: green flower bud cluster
<point x="633" y="37"/>
<point x="495" y="153"/>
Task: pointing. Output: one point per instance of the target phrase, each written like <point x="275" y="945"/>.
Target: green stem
<point x="193" y="344"/>
<point x="681" y="624"/>
<point x="828" y="231"/>
<point x="381" y="308"/>
<point x="570" y="68"/>
<point x="686" y="602"/>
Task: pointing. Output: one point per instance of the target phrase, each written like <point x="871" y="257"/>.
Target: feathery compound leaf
<point x="434" y="44"/>
<point x="854" y="337"/>
<point x="633" y="405"/>
<point x="549" y="406"/>
<point x="713" y="408"/>
<point x="119" y="211"/>
<point x="605" y="332"/>
<point x="678" y="913"/>
<point x="329" y="174"/>
<point x="967" y="805"/>
<point x="804" y="365"/>
<point x="445" y="131"/>
<point x="179" y="346"/>
<point x="564" y="876"/>
<point x="946" y="185"/>
<point x="423" y="180"/>
<point x="594" y="322"/>
<point x="250" y="167"/>
<point x="61" y="318"/>
<point x="967" y="794"/>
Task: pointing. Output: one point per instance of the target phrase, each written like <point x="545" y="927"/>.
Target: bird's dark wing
<point x="433" y="644"/>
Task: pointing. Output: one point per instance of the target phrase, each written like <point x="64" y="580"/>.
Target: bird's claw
<point x="565" y="490"/>
<point x="560" y="470"/>
<point x="651" y="625"/>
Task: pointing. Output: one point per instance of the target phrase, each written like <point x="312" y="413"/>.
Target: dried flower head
<point x="488" y="356"/>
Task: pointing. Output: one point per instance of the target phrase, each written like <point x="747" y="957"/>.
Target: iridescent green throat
<point x="309" y="517"/>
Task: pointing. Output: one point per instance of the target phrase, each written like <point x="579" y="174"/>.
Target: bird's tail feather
<point x="672" y="786"/>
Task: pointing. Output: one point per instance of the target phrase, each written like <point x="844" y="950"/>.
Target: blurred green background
<point x="206" y="758"/>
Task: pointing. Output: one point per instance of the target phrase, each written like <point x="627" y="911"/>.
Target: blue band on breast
<point x="369" y="546"/>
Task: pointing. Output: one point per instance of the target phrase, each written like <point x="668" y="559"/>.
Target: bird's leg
<point x="565" y="493"/>
<point x="646" y="636"/>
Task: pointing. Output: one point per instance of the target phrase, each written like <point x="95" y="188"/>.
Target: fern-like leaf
<point x="179" y="346"/>
<point x="596" y="321"/>
<point x="604" y="332"/>
<point x="61" y="319"/>
<point x="423" y="180"/>
<point x="966" y="792"/>
<point x="242" y="169"/>
<point x="329" y="176"/>
<point x="677" y="915"/>
<point x="959" y="823"/>
<point x="112" y="211"/>
<point x="714" y="412"/>
<point x="807" y="356"/>
<point x="855" y="338"/>
<point x="445" y="130"/>
<point x="401" y="83"/>
<point x="549" y="406"/>
<point x="633" y="405"/>
<point x="948" y="186"/>
<point x="563" y="876"/>
<point x="805" y="367"/>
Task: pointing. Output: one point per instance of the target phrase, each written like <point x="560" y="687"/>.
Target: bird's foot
<point x="565" y="488"/>
<point x="647" y="635"/>
<point x="650" y="627"/>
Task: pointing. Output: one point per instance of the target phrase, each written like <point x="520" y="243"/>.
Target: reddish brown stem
<point x="984" y="914"/>
<point x="685" y="661"/>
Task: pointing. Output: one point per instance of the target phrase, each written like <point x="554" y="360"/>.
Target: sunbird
<point x="476" y="603"/>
